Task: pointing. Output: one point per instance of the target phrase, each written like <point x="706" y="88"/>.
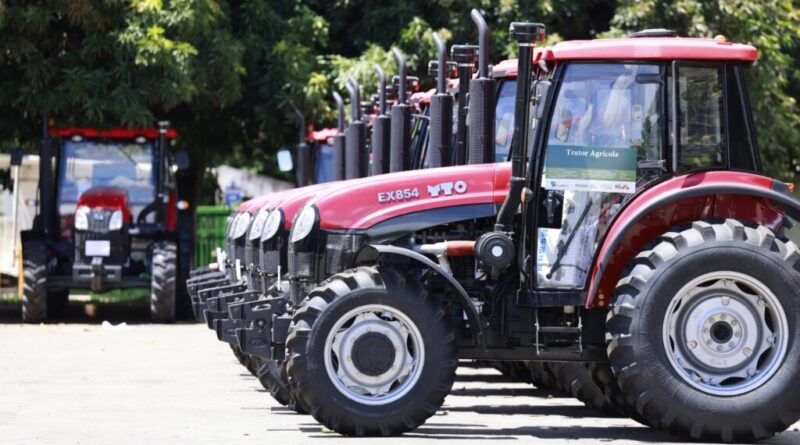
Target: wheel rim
<point x="374" y="354"/>
<point x="725" y="333"/>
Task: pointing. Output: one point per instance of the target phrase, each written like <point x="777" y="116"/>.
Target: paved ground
<point x="78" y="383"/>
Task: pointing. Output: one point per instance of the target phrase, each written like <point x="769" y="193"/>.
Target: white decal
<point x="447" y="189"/>
<point x="398" y="195"/>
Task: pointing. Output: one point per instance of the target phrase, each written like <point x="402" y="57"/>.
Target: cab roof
<point x="641" y="48"/>
<point x="111" y="133"/>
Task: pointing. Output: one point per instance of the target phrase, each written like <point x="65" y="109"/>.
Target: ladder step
<point x="559" y="330"/>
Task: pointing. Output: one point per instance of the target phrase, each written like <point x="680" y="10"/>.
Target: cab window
<point x="699" y="110"/>
<point x="504" y="120"/>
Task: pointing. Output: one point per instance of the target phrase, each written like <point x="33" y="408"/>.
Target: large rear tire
<point x="371" y="353"/>
<point x="162" y="282"/>
<point x="704" y="333"/>
<point x="34" y="281"/>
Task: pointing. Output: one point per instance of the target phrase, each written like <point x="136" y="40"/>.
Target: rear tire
<point x="575" y="379"/>
<point x="736" y="285"/>
<point x="382" y="386"/>
<point x="542" y="377"/>
<point x="273" y="377"/>
<point x="162" y="282"/>
<point x="34" y="281"/>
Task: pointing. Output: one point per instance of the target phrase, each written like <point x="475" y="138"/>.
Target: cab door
<point x="604" y="141"/>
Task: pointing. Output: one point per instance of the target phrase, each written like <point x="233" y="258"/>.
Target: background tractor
<point x="108" y="219"/>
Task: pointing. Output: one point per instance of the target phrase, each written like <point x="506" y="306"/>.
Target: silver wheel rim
<point x="396" y="328"/>
<point x="725" y="333"/>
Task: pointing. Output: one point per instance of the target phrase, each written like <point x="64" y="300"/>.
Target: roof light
<point x="140" y="140"/>
<point x="657" y="32"/>
<point x="77" y="138"/>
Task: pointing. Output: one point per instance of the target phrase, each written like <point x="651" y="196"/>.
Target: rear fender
<point x="718" y="194"/>
<point x="372" y="253"/>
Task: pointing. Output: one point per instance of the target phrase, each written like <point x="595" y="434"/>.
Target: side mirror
<point x="540" y="90"/>
<point x="182" y="160"/>
<point x="285" y="163"/>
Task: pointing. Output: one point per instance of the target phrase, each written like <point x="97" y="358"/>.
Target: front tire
<point x="371" y="353"/>
<point x="34" y="281"/>
<point x="162" y="282"/>
<point x="704" y="333"/>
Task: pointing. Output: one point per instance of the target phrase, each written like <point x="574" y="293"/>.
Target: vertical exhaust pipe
<point x="47" y="211"/>
<point x="339" y="140"/>
<point x="482" y="91"/>
<point x="381" y="129"/>
<point x="355" y="137"/>
<point x="161" y="209"/>
<point x="400" y="121"/>
<point x="441" y="115"/>
<point x="303" y="152"/>
<point x="526" y="34"/>
<point x="465" y="57"/>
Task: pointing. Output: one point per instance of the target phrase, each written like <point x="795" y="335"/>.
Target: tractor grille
<point x="99" y="219"/>
<point x="340" y="252"/>
<point x="270" y="260"/>
<point x="301" y="264"/>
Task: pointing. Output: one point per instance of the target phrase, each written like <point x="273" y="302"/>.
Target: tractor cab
<point x="108" y="219"/>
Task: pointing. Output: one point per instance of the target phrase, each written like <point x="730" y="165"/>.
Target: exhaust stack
<point x="381" y="129"/>
<point x="465" y="57"/>
<point x="400" y="139"/>
<point x="339" y="140"/>
<point x="303" y="152"/>
<point x="441" y="115"/>
<point x="355" y="137"/>
<point x="482" y="92"/>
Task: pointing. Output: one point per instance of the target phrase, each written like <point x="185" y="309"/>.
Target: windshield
<point x="87" y="164"/>
<point x="504" y="120"/>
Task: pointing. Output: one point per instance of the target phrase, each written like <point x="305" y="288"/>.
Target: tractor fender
<point x="713" y="194"/>
<point x="371" y="253"/>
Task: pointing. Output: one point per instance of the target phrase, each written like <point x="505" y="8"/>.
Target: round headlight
<point x="258" y="225"/>
<point x="82" y="218"/>
<point x="115" y="223"/>
<point x="303" y="223"/>
<point x="272" y="225"/>
<point x="242" y="223"/>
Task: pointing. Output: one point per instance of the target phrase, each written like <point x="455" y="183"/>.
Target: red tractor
<point x="632" y="231"/>
<point x="108" y="219"/>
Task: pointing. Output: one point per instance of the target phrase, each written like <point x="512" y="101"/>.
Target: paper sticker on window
<point x="590" y="169"/>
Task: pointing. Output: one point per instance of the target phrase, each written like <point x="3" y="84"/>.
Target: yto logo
<point x="447" y="189"/>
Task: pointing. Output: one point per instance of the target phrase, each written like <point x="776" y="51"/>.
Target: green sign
<point x="590" y="169"/>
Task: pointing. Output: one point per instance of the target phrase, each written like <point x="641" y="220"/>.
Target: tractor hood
<point x="281" y="198"/>
<point x="107" y="198"/>
<point x="363" y="203"/>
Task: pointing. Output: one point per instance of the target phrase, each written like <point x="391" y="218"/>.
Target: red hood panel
<point x="107" y="198"/>
<point x="362" y="203"/>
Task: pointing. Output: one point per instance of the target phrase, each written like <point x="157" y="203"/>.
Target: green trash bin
<point x="209" y="233"/>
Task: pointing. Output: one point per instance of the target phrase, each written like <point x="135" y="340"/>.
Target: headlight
<point x="82" y="218"/>
<point x="258" y="225"/>
<point x="272" y="225"/>
<point x="242" y="223"/>
<point x="115" y="222"/>
<point x="303" y="223"/>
